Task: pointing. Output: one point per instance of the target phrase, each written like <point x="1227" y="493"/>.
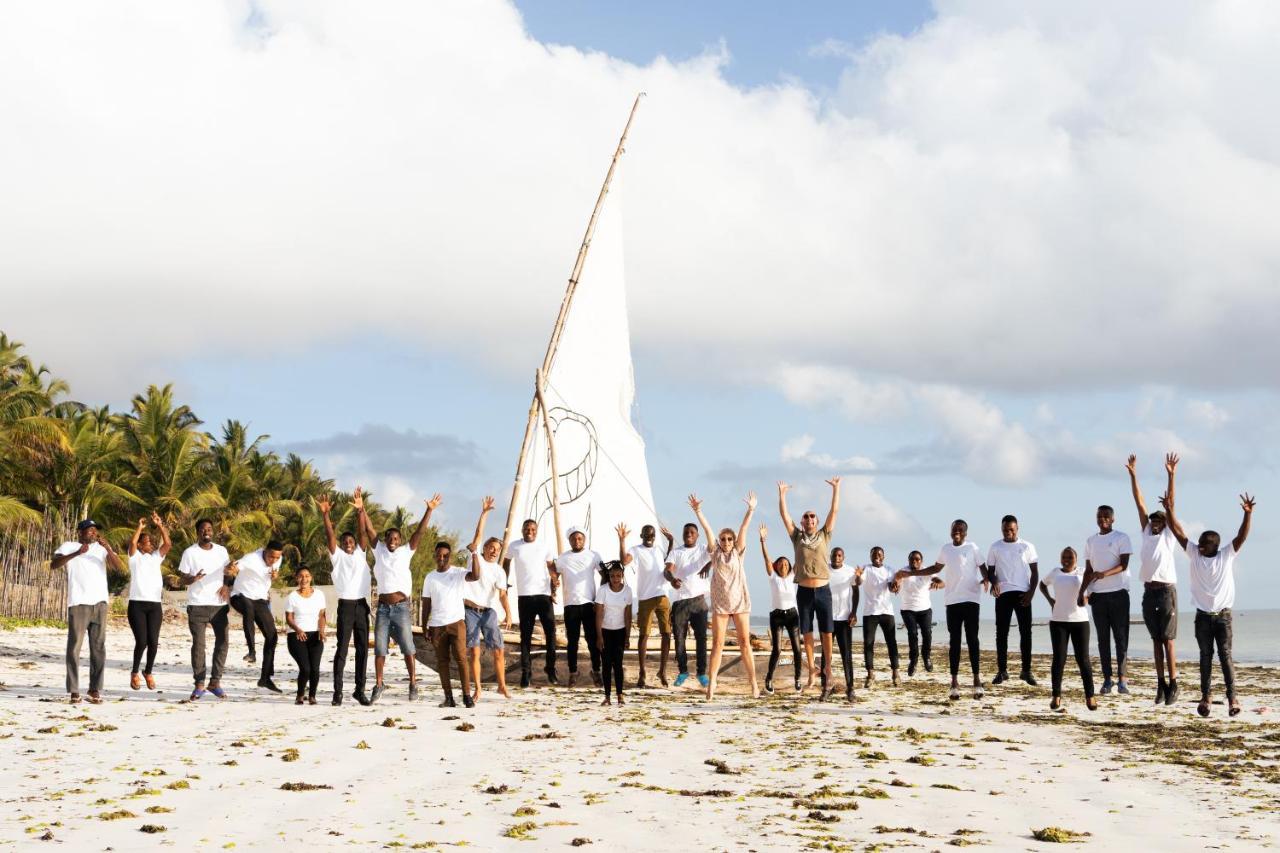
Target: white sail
<point x="603" y="475"/>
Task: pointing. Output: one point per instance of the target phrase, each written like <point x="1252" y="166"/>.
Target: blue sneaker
<point x="196" y="694"/>
<point x="681" y="679"/>
<point x="1121" y="687"/>
<point x="704" y="681"/>
<point x="219" y="692"/>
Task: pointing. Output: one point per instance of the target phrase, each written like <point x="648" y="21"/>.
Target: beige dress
<point x="729" y="593"/>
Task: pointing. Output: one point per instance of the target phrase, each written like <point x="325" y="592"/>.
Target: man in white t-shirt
<point x="650" y="592"/>
<point x="482" y="599"/>
<point x="350" y="576"/>
<point x="1159" y="578"/>
<point x="878" y="583"/>
<point x="1106" y="578"/>
<point x="444" y="620"/>
<point x="688" y="569"/>
<point x="1013" y="566"/>
<point x="579" y="570"/>
<point x="533" y="564"/>
<point x="86" y="561"/>
<point x="251" y="598"/>
<point x="1213" y="590"/>
<point x="207" y="571"/>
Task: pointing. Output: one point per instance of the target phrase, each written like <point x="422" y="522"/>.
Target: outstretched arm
<point x="137" y="534"/>
<point x="671" y="540"/>
<point x="486" y="507"/>
<point x="787" y="524"/>
<point x="764" y="549"/>
<point x="623" y="556"/>
<point x="1246" y="503"/>
<point x="1171" y="465"/>
<point x="1171" y="518"/>
<point x="364" y="527"/>
<point x="166" y="544"/>
<point x="432" y="503"/>
<point x="920" y="572"/>
<point x="696" y="505"/>
<point x="1132" y="467"/>
<point x="830" y="524"/>
<point x="330" y="538"/>
<point x="746" y="519"/>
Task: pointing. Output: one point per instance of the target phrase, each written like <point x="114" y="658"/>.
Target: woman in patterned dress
<point x="729" y="594"/>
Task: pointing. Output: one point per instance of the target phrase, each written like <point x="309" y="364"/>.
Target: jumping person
<point x="1106" y="576"/>
<point x="782" y="612"/>
<point x="537" y="580"/>
<point x="650" y="592"/>
<point x="917" y="613"/>
<point x="1159" y="582"/>
<point x="482" y="597"/>
<point x="1014" y="570"/>
<point x="146" y="594"/>
<point x="305" y="614"/>
<point x="205" y="570"/>
<point x="444" y="620"/>
<point x="730" y="598"/>
<point x="877" y="583"/>
<point x="844" y="614"/>
<point x="1213" y="591"/>
<point x="579" y="569"/>
<point x="351" y="585"/>
<point x="391" y="570"/>
<point x="251" y="598"/>
<point x="614" y="604"/>
<point x="813" y="598"/>
<point x="86" y="561"/>
<point x="965" y="579"/>
<point x="687" y="569"/>
<point x="1069" y="623"/>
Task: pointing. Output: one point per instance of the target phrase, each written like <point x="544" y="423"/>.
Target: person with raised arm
<point x="687" y="570"/>
<point x="1069" y="623"/>
<point x="392" y="572"/>
<point x="845" y="598"/>
<point x="305" y="615"/>
<point x="351" y="585"/>
<point x="964" y="577"/>
<point x="86" y="560"/>
<point x="615" y="602"/>
<point x="878" y="583"/>
<point x="650" y="592"/>
<point x="1106" y="576"/>
<point x="813" y="595"/>
<point x="917" y="613"/>
<point x="1014" y="569"/>
<point x="482" y="598"/>
<point x="730" y="598"/>
<point x="251" y="598"/>
<point x="1159" y="582"/>
<point x="444" y="620"/>
<point x="579" y="570"/>
<point x="536" y="582"/>
<point x="146" y="594"/>
<point x="1213" y="591"/>
<point x="782" y="612"/>
<point x="207" y="571"/>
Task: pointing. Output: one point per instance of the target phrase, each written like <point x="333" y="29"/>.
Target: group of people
<point x="683" y="588"/>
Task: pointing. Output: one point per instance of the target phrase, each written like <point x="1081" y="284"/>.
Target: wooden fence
<point x="29" y="589"/>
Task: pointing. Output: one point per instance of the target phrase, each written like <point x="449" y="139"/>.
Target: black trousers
<point x="919" y="622"/>
<point x="1007" y="605"/>
<point x="145" y="618"/>
<point x="257" y="611"/>
<point x="1077" y="633"/>
<point x="615" y="639"/>
<point x="1111" y="618"/>
<point x="779" y="621"/>
<point x="307" y="653"/>
<point x="541" y="608"/>
<point x="884" y="622"/>
<point x="353" y="626"/>
<point x="963" y="615"/>
<point x="579" y="619"/>
<point x="844" y="642"/>
<point x="1215" y="629"/>
<point x="686" y="614"/>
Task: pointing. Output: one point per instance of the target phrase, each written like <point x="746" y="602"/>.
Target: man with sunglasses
<point x="813" y="575"/>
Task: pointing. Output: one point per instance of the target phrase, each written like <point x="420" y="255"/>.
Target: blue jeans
<point x="394" y="619"/>
<point x="482" y="626"/>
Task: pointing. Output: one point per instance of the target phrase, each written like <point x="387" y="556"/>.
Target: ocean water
<point x="1255" y="636"/>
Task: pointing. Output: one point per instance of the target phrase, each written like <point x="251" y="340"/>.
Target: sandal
<point x="75" y="699"/>
<point x="1203" y="708"/>
<point x="1091" y="703"/>
<point x="151" y="682"/>
<point x="135" y="681"/>
<point x="1055" y="703"/>
<point x="1233" y="708"/>
<point x="94" y="698"/>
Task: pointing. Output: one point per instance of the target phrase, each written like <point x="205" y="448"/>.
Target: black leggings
<point x="1008" y="605"/>
<point x="844" y="641"/>
<point x="1078" y="635"/>
<point x="614" y="641"/>
<point x="307" y="653"/>
<point x="539" y="608"/>
<point x="790" y="621"/>
<point x="145" y="618"/>
<point x="883" y="621"/>
<point x="919" y="621"/>
<point x="963" y="615"/>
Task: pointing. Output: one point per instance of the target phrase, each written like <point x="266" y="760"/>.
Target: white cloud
<point x="799" y="449"/>
<point x="1207" y="414"/>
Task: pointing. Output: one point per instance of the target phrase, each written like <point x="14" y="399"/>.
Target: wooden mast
<point x="551" y="452"/>
<point x="550" y="356"/>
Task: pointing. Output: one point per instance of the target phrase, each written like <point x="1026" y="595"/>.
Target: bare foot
<point x="503" y="690"/>
<point x="662" y="678"/>
<point x="640" y="682"/>
<point x="809" y="681"/>
<point x="621" y="701"/>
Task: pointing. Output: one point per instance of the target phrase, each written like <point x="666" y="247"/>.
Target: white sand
<point x="420" y="782"/>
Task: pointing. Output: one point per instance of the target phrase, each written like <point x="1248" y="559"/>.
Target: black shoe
<point x="448" y="703"/>
<point x="268" y="684"/>
<point x="552" y="680"/>
<point x="911" y="669"/>
<point x="798" y="687"/>
<point x="524" y="679"/>
<point x="250" y="658"/>
<point x="1171" y="694"/>
<point x="337" y="699"/>
<point x="468" y="701"/>
<point x="361" y="698"/>
<point x="928" y="665"/>
<point x="377" y="693"/>
<point x="1161" y="689"/>
<point x="1029" y="678"/>
<point x="848" y="693"/>
<point x="768" y="685"/>
<point x="1001" y="678"/>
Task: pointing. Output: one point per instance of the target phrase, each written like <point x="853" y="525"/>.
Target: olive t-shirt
<point x="811" y="555"/>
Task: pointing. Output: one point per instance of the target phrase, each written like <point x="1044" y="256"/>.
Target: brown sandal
<point x="1234" y="708"/>
<point x="94" y="698"/>
<point x="135" y="681"/>
<point x="151" y="682"/>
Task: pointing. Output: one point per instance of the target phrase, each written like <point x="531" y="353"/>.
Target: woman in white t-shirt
<point x="783" y="614"/>
<point x="305" y="614"/>
<point x="844" y="614"/>
<point x="1068" y="623"/>
<point x="917" y="612"/>
<point x="615" y="604"/>
<point x="146" y="589"/>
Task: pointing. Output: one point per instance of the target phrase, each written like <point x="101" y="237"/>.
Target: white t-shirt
<point x="146" y="581"/>
<point x="579" y="576"/>
<point x="1104" y="552"/>
<point x="1012" y="562"/>
<point x="615" y="606"/>
<point x="306" y="611"/>
<point x="685" y="565"/>
<point x="914" y="593"/>
<point x="782" y="591"/>
<point x="961" y="573"/>
<point x="211" y="561"/>
<point x="529" y="567"/>
<point x="484" y="591"/>
<point x="648" y="563"/>
<point x="1157" y="556"/>
<point x="86" y="574"/>
<point x="391" y="569"/>
<point x="254" y="578"/>
<point x="1213" y="583"/>
<point x="877" y="600"/>
<point x="350" y="574"/>
<point x="841" y="586"/>
<point x="446" y="590"/>
<point x="1065" y="589"/>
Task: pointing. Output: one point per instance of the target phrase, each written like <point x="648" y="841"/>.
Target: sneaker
<point x="798" y="686"/>
<point x="768" y="685"/>
<point x="195" y="695"/>
<point x="337" y="699"/>
<point x="1171" y="694"/>
<point x="848" y="693"/>
<point x="413" y="691"/>
<point x="895" y="678"/>
<point x="1161" y="689"/>
<point x="1001" y="677"/>
<point x="978" y="691"/>
<point x="1106" y="687"/>
<point x="928" y="665"/>
<point x="681" y="679"/>
<point x="552" y="680"/>
<point x="955" y="692"/>
<point x="825" y="694"/>
<point x="1029" y="678"/>
<point x="361" y="698"/>
<point x="1122" y="688"/>
<point x="218" y="691"/>
<point x="468" y="701"/>
<point x="911" y="669"/>
<point x="448" y="703"/>
<point x="268" y="684"/>
<point x="1203" y="708"/>
<point x="524" y="679"/>
<point x="377" y="692"/>
<point x="704" y="681"/>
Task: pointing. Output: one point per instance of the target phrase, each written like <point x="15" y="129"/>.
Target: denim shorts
<point x="393" y="620"/>
<point x="483" y="624"/>
<point x="815" y="602"/>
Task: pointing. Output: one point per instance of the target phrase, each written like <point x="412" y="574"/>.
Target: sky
<point x="968" y="255"/>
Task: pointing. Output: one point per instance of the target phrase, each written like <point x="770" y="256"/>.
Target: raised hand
<point x="666" y="534"/>
<point x="751" y="500"/>
<point x="1171" y="461"/>
<point x="622" y="532"/>
<point x="694" y="503"/>
<point x="434" y="501"/>
<point x="1247" y="503"/>
<point x="1132" y="464"/>
<point x="323" y="504"/>
<point x="488" y="504"/>
<point x="783" y="488"/>
<point x="936" y="583"/>
<point x="156" y="519"/>
<point x="834" y="482"/>
<point x="764" y="533"/>
<point x="142" y="522"/>
<point x="1164" y="501"/>
<point x="357" y="498"/>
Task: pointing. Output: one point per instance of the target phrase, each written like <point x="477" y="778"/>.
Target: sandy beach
<point x="901" y="768"/>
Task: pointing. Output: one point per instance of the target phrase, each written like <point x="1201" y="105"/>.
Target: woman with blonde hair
<point x="729" y="594"/>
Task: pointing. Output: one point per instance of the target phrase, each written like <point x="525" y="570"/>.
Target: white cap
<point x="573" y="530"/>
